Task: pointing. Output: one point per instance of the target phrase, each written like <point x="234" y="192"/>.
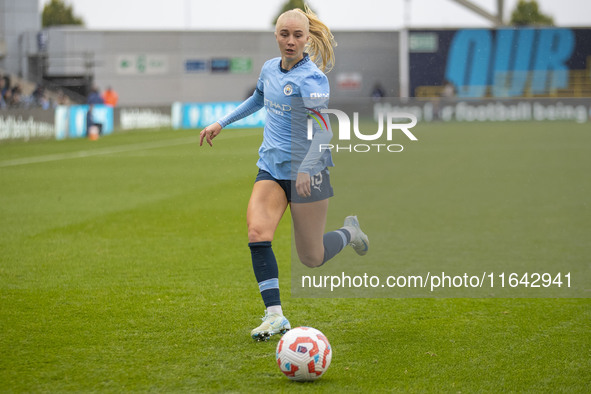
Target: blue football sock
<point x="266" y="271"/>
<point x="334" y="242"/>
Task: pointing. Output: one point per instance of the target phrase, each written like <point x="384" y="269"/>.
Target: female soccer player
<point x="292" y="78"/>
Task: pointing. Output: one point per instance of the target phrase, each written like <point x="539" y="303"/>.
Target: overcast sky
<point x="337" y="14"/>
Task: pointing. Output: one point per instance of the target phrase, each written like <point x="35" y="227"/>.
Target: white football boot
<point x="273" y="323"/>
<point x="359" y="241"/>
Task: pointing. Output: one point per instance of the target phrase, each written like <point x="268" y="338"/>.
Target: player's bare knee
<point x="258" y="234"/>
<point x="311" y="261"/>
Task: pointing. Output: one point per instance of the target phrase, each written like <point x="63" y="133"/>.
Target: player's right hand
<point x="209" y="133"/>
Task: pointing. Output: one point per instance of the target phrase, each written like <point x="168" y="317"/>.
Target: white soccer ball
<point x="303" y="354"/>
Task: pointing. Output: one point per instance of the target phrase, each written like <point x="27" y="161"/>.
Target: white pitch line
<point x="97" y="152"/>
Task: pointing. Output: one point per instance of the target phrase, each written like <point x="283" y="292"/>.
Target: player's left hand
<point x="303" y="187"/>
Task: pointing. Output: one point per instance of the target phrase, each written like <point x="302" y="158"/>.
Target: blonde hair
<point x="321" y="44"/>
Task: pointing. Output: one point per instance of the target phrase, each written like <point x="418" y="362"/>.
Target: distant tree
<point x="290" y="5"/>
<point x="57" y="13"/>
<point x="528" y="13"/>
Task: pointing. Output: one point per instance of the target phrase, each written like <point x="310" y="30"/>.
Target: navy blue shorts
<point x="320" y="186"/>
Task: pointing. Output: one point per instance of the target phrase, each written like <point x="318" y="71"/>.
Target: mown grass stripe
<point x="96" y="152"/>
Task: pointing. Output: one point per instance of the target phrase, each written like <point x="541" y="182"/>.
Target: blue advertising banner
<point x="199" y="115"/>
<point x="61" y="122"/>
<point x="505" y="62"/>
<point x="103" y="114"/>
<point x="77" y="119"/>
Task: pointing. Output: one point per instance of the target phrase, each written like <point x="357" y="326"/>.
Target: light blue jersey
<point x="288" y="97"/>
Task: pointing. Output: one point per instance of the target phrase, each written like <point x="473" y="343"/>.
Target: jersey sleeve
<point x="315" y="92"/>
<point x="248" y="107"/>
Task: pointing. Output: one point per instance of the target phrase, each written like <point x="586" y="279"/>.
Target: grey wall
<point x="375" y="55"/>
<point x="16" y="18"/>
<point x="370" y="56"/>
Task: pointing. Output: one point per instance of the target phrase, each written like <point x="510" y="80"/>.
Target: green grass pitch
<point x="124" y="266"/>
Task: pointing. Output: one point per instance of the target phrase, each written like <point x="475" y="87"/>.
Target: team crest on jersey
<point x="288" y="89"/>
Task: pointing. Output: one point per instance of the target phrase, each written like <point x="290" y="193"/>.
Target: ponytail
<point x="322" y="42"/>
